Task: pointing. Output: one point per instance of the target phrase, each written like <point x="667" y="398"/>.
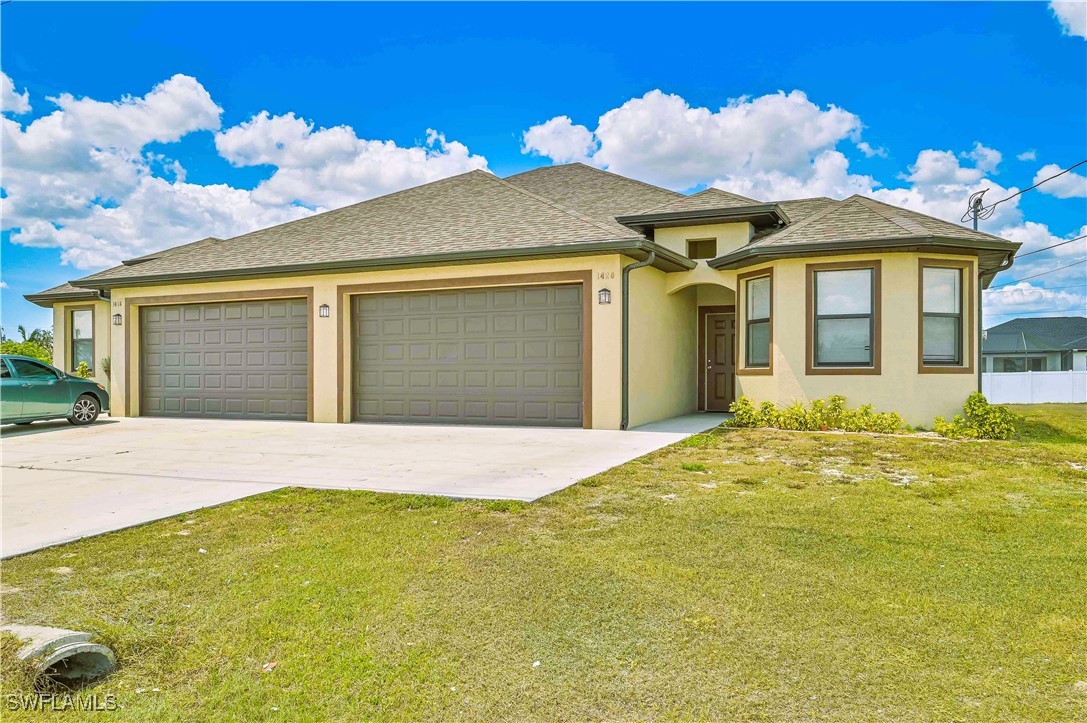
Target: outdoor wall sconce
<point x="604" y="295"/>
<point x="116" y="319"/>
<point x="324" y="311"/>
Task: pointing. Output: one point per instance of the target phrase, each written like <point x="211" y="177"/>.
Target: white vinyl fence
<point x="1034" y="387"/>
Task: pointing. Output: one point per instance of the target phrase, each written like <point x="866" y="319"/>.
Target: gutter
<point x="625" y="421"/>
<point x="668" y="261"/>
<point x="991" y="273"/>
<point x="755" y="254"/>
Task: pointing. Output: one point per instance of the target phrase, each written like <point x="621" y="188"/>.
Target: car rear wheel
<point x="85" y="410"/>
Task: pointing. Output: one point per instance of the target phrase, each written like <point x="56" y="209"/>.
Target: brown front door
<point x="720" y="361"/>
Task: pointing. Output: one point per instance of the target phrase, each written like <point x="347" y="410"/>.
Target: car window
<point x="28" y="369"/>
<point x="4" y="371"/>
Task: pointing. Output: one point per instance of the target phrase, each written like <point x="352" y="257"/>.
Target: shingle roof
<point x="64" y="292"/>
<point x="595" y="193"/>
<point x="709" y="199"/>
<point x="1055" y="333"/>
<point x="472" y="212"/>
<point x="860" y="218"/>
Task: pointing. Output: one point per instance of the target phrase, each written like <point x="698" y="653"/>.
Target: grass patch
<point x="810" y="576"/>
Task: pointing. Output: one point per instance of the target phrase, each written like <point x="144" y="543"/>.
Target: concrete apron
<point x="61" y="483"/>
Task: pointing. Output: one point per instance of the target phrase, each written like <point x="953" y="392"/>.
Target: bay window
<point x="944" y="313"/>
<point x="756" y="290"/>
<point x="843" y="318"/>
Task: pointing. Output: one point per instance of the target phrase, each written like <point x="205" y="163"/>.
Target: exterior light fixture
<point x="116" y="319"/>
<point x="324" y="311"/>
<point x="604" y="296"/>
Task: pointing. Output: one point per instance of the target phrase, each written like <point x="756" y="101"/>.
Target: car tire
<point x="85" y="410"/>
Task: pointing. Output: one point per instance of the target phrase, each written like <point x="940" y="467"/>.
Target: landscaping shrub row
<point x="981" y="421"/>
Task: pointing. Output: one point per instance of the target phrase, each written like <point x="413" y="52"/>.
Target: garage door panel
<point x="237" y="359"/>
<point x="510" y="355"/>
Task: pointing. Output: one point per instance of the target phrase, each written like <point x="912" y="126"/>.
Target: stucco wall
<point x="330" y="377"/>
<point x="663" y="348"/>
<point x="918" y="397"/>
<point x="730" y="236"/>
<point x="62" y="347"/>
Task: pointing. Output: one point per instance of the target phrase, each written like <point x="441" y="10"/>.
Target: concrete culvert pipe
<point x="65" y="656"/>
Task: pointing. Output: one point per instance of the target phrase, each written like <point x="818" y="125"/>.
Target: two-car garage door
<point x="502" y="355"/>
<point x="508" y="355"/>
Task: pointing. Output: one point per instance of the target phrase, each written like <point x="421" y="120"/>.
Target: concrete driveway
<point x="61" y="482"/>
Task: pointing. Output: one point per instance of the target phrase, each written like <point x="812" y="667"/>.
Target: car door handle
<point x="27" y="384"/>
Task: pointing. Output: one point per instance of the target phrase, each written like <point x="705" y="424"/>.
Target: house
<point x="1054" y="344"/>
<point x="564" y="295"/>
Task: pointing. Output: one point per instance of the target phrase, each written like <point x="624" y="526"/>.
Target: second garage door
<point x="246" y="359"/>
<point x="510" y="355"/>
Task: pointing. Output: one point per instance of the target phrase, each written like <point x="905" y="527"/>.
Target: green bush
<point x="821" y="414"/>
<point x="83" y="371"/>
<point x="105" y="365"/>
<point x="982" y="421"/>
<point x="32" y="349"/>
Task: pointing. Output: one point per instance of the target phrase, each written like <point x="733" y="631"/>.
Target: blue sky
<point x="172" y="122"/>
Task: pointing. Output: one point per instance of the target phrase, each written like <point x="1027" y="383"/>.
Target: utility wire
<point x="1027" y="278"/>
<point x="1024" y="313"/>
<point x="975" y="209"/>
<point x="1062" y="243"/>
<point x="1047" y="288"/>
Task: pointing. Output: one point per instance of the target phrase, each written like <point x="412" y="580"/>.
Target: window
<point x="703" y="248"/>
<point x="844" y="320"/>
<point x="941" y="308"/>
<point x="1019" y="364"/>
<point x="4" y="371"/>
<point x="757" y="320"/>
<point x="29" y="369"/>
<point x="945" y="316"/>
<point x="82" y="337"/>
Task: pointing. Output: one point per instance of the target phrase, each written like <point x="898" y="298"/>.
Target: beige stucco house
<point x="564" y="295"/>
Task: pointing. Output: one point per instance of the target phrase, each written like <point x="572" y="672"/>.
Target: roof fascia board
<point x="757" y="254"/>
<point x="46" y="301"/>
<point x="738" y="213"/>
<point x="666" y="260"/>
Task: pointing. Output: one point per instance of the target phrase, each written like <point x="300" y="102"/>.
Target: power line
<point x="1027" y="278"/>
<point x="1062" y="243"/>
<point x="975" y="210"/>
<point x="1043" y="288"/>
<point x="1024" y="313"/>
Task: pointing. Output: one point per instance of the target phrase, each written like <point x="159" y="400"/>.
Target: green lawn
<point x="743" y="574"/>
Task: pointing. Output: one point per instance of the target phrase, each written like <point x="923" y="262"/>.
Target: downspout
<point x="623" y="423"/>
<point x="1007" y="264"/>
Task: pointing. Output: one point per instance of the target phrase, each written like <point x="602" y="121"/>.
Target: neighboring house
<point x="1055" y="344"/>
<point x="476" y="299"/>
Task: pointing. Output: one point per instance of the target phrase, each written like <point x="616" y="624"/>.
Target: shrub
<point x="83" y="371"/>
<point x="32" y="349"/>
<point x="982" y="421"/>
<point x="105" y="365"/>
<point x="821" y="414"/>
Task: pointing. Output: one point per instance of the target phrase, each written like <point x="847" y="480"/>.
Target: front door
<point x="720" y="361"/>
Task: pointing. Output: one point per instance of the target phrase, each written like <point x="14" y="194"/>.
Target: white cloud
<point x="985" y="159"/>
<point x="870" y="152"/>
<point x="662" y="139"/>
<point x="1007" y="302"/>
<point x="1069" y="185"/>
<point x="1072" y="16"/>
<point x="828" y="175"/>
<point x="3" y="284"/>
<point x="560" y="140"/>
<point x="81" y="179"/>
<point x="1028" y="155"/>
<point x="333" y="167"/>
<point x="10" y="101"/>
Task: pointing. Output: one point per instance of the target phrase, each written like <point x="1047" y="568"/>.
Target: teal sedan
<point x="31" y="391"/>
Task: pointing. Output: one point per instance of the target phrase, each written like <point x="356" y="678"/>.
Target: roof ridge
<point x="599" y="170"/>
<point x="559" y="207"/>
<point x="806" y="220"/>
<point x="875" y="207"/>
<point x="714" y="189"/>
<point x="925" y="215"/>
